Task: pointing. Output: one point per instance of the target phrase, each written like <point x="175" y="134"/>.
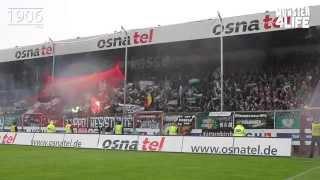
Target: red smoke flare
<point x="81" y="84"/>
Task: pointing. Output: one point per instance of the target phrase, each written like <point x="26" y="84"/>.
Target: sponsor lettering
<point x="236" y="27"/>
<point x="33" y="53"/>
<point x="284" y="19"/>
<point x="153" y="145"/>
<point x="64" y="143"/>
<point x="249" y="150"/>
<point x="120" y="144"/>
<point x="137" y="38"/>
<point x="8" y="139"/>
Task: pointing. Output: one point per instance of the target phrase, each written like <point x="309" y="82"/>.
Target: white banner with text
<point x="160" y="143"/>
<point x="187" y="144"/>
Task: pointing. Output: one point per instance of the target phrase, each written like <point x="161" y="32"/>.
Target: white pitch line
<point x="303" y="173"/>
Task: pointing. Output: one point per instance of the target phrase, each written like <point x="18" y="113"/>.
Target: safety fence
<point x="290" y="119"/>
<point x="185" y="144"/>
<point x="294" y="124"/>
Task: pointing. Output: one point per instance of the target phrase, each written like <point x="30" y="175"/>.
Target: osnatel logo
<point x="237" y="27"/>
<point x="8" y="139"/>
<point x="120" y="144"/>
<point x="32" y="53"/>
<point x="137" y="38"/>
<point x="149" y="145"/>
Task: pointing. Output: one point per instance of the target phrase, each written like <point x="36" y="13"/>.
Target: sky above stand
<point x="67" y="19"/>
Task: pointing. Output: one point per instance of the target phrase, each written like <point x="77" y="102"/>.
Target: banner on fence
<point x="95" y="122"/>
<point x="214" y="120"/>
<point x="185" y="123"/>
<point x="187" y="120"/>
<point x="287" y="119"/>
<point x="255" y="120"/>
<point x="11" y="118"/>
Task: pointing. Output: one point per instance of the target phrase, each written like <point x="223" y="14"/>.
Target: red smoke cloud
<point x="78" y="85"/>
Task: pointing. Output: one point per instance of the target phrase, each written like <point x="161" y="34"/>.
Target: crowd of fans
<point x="275" y="85"/>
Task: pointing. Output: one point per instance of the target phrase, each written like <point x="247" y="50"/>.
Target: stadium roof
<point x="204" y="29"/>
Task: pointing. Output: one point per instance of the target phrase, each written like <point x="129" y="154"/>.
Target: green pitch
<point x="37" y="163"/>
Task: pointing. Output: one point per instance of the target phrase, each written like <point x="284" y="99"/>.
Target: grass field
<point x="24" y="163"/>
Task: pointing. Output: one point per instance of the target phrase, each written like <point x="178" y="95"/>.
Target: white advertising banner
<point x="210" y="145"/>
<point x="118" y="142"/>
<point x="160" y="143"/>
<point x="24" y="138"/>
<point x="188" y="144"/>
<point x="51" y="140"/>
<point x="82" y="140"/>
<point x="262" y="146"/>
<point x="238" y="146"/>
<point x="8" y="138"/>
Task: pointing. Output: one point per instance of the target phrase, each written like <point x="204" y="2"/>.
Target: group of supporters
<point x="51" y="128"/>
<point x="280" y="85"/>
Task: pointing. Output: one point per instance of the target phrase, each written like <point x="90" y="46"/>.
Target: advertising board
<point x="160" y="143"/>
<point x="24" y="138"/>
<point x="188" y="144"/>
<point x="7" y="138"/>
<point x="210" y="145"/>
<point x="82" y="140"/>
<point x="118" y="142"/>
<point x="263" y="146"/>
<point x="238" y="146"/>
<point x="51" y="140"/>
